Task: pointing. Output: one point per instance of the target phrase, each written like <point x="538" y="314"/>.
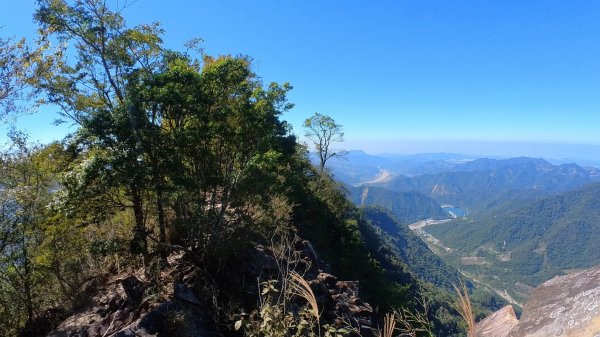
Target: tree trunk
<point x="162" y="236"/>
<point x="140" y="242"/>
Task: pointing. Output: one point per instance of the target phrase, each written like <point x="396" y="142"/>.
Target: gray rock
<point x="563" y="306"/>
<point x="566" y="306"/>
<point x="497" y="324"/>
<point x="328" y="279"/>
<point x="184" y="293"/>
<point x="134" y="288"/>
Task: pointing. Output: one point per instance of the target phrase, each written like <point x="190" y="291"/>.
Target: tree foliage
<point x="323" y="131"/>
<point x="171" y="151"/>
<point x="16" y="59"/>
<point x="107" y="54"/>
<point x="40" y="249"/>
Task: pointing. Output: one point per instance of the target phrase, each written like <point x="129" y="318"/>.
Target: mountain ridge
<point x="407" y="207"/>
<point x="478" y="184"/>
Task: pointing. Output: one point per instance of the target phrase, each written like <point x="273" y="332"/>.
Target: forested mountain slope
<point x="407" y="207"/>
<point x="538" y="239"/>
<point x="411" y="250"/>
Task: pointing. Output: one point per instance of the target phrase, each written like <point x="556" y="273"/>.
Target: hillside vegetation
<point x="411" y="250"/>
<point x="538" y="239"/>
<point x="407" y="207"/>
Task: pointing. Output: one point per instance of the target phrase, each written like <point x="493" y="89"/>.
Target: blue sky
<point x="404" y="76"/>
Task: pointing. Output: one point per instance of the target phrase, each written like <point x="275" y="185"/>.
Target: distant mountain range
<point x="358" y="167"/>
<point x="528" y="219"/>
<point x="476" y="184"/>
<point x="484" y="183"/>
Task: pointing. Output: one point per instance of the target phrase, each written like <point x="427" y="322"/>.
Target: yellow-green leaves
<point x="322" y="131"/>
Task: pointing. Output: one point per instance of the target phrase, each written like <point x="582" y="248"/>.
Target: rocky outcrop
<point x="125" y="305"/>
<point x="497" y="324"/>
<point x="113" y="311"/>
<point x="340" y="301"/>
<point x="566" y="306"/>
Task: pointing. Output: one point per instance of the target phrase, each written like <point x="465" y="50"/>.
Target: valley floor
<point x="443" y="251"/>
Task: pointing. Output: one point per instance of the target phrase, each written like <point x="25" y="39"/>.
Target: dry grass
<point x="465" y="309"/>
<point x="389" y="325"/>
<point x="301" y="288"/>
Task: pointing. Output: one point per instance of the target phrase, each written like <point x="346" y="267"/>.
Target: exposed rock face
<point x="566" y="306"/>
<point x="134" y="289"/>
<point x="497" y="324"/>
<point x="113" y="313"/>
<point x="120" y="307"/>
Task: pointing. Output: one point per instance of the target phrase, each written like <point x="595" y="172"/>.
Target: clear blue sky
<point x="402" y="72"/>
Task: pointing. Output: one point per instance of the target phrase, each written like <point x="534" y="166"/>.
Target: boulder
<point x="497" y="324"/>
<point x="566" y="305"/>
<point x="328" y="279"/>
<point x="134" y="289"/>
<point x="182" y="292"/>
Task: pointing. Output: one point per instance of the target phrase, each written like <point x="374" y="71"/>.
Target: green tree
<point x="165" y="102"/>
<point x="15" y="68"/>
<point x="91" y="91"/>
<point x="223" y="139"/>
<point x="24" y="195"/>
<point x="107" y="53"/>
<point x="323" y="131"/>
<point x="22" y="190"/>
<point x="42" y="249"/>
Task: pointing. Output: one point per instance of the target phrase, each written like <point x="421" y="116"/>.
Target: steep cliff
<point x="566" y="305"/>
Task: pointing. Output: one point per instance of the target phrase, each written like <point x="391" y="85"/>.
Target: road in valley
<point x="424" y="223"/>
<point x="418" y="228"/>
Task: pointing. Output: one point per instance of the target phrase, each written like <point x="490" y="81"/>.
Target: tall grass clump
<point x="464" y="308"/>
